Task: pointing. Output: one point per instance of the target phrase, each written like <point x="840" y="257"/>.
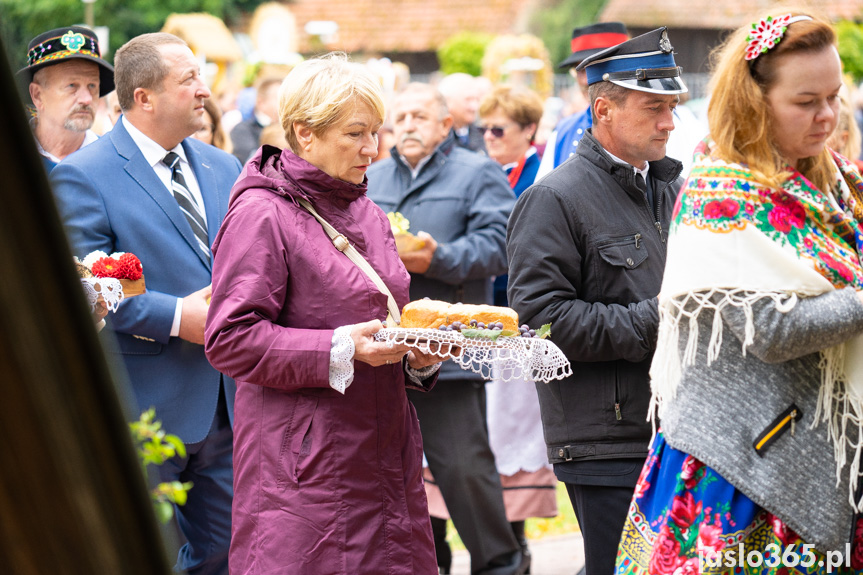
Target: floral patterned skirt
<point x="685" y="519"/>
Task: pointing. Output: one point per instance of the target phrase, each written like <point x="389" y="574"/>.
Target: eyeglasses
<point x="496" y="131"/>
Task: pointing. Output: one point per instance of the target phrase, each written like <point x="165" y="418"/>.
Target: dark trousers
<point x="600" y="492"/>
<point x="455" y="440"/>
<point x="205" y="519"/>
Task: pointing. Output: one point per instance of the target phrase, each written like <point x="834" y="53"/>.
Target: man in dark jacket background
<point x="458" y="203"/>
<point x="586" y="247"/>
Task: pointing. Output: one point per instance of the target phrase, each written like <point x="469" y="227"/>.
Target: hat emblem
<point x="74" y="41"/>
<point x="665" y="43"/>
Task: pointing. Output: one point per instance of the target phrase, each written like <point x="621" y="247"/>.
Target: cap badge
<point x="73" y="41"/>
<point x="665" y="43"/>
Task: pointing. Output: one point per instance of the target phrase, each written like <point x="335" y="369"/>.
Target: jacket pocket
<point x="785" y="421"/>
<point x="625" y="251"/>
<point x="296" y="442"/>
<point x="132" y="345"/>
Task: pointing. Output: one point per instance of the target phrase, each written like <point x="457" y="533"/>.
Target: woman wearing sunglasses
<point x="509" y="116"/>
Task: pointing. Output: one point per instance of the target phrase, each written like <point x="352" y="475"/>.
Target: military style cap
<point x="645" y="63"/>
<point x="595" y="38"/>
<point x="61" y="45"/>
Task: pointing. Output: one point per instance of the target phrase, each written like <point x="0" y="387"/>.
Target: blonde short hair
<point x="321" y="92"/>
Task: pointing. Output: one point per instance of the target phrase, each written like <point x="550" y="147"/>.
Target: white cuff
<point x="178" y="314"/>
<point x="341" y="359"/>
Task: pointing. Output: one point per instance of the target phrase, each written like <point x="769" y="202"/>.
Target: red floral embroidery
<point x="709" y="542"/>
<point x="688" y="568"/>
<point x="666" y="553"/>
<point x="786" y="212"/>
<point x="643" y="485"/>
<point x="721" y="209"/>
<point x="857" y="546"/>
<point x="684" y="510"/>
<point x="690" y="470"/>
<point x="765" y="34"/>
<point x="844" y="272"/>
<point x="782" y="532"/>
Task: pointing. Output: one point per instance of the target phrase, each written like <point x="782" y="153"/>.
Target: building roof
<point x="205" y="35"/>
<point x="714" y="14"/>
<point x="405" y="25"/>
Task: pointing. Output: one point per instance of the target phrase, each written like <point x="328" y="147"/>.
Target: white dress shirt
<point x="154" y="154"/>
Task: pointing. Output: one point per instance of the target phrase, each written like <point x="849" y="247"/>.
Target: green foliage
<point x="851" y="48"/>
<point x="554" y="24"/>
<point x="463" y="52"/>
<point x="544" y="332"/>
<point x="22" y="20"/>
<point x="155" y="447"/>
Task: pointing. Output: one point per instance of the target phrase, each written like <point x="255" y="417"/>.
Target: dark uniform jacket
<point x="586" y="254"/>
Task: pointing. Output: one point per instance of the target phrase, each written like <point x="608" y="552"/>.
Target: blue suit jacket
<point x="110" y="199"/>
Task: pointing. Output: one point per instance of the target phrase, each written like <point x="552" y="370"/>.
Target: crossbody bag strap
<point x="343" y="245"/>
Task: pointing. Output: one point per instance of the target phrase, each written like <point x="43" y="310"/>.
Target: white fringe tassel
<point x="835" y="406"/>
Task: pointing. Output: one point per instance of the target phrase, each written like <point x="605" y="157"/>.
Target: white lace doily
<point x="110" y="289"/>
<point x="508" y="358"/>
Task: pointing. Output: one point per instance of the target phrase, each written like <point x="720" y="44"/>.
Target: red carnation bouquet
<point x="125" y="267"/>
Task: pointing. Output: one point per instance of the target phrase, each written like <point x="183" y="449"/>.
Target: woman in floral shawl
<point x="758" y="375"/>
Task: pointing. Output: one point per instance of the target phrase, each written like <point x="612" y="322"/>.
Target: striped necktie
<point x="187" y="203"/>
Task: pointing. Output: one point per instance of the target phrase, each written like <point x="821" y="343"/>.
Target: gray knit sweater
<point x="722" y="409"/>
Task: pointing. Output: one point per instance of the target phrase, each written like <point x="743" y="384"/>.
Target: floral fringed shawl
<point x="733" y="242"/>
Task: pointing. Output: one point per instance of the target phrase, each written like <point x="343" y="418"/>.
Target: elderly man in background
<point x="65" y="76"/>
<point x="458" y="203"/>
<point x="462" y="94"/>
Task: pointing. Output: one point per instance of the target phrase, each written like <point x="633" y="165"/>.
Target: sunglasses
<point x="496" y="131"/>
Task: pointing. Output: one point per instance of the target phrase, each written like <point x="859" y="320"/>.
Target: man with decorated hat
<point x="586" y="41"/>
<point x="586" y="250"/>
<point x="65" y="76"/>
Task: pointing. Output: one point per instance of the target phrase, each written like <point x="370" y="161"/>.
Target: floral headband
<point x="767" y="33"/>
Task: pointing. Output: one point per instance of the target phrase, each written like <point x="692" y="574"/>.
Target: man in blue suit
<point x="147" y="188"/>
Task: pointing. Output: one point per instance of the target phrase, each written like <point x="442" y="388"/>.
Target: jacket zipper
<point x="617" y="412"/>
<point x="786" y="420"/>
<point x="657" y="223"/>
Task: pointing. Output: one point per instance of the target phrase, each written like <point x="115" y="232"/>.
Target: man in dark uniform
<point x="586" y="251"/>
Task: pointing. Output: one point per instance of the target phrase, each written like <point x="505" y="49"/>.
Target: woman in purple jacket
<point x="327" y="448"/>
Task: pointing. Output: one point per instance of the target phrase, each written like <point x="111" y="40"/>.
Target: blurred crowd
<point x="565" y="207"/>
